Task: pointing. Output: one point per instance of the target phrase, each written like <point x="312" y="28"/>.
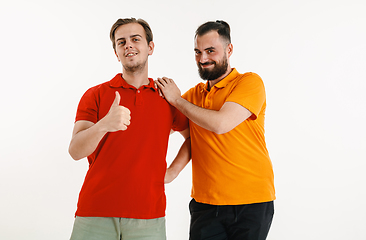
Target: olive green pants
<point x="107" y="228"/>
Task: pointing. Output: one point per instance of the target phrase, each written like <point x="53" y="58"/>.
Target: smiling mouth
<point x="131" y="54"/>
<point x="206" y="64"/>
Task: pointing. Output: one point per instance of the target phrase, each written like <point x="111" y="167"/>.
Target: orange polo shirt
<point x="232" y="168"/>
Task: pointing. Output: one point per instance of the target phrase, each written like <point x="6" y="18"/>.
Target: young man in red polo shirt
<point x="122" y="126"/>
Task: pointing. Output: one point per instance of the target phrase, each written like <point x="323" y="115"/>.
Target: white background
<point x="311" y="55"/>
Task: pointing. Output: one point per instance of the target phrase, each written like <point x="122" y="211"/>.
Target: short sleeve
<point x="88" y="107"/>
<point x="249" y="92"/>
<point x="180" y="121"/>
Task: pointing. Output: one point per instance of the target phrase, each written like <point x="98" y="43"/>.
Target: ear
<point x="229" y="49"/>
<point x="151" y="47"/>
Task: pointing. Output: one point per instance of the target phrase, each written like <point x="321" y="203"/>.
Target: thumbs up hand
<point x="118" y="117"/>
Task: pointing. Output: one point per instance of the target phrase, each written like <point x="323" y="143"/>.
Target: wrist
<point x="176" y="102"/>
<point x="101" y="126"/>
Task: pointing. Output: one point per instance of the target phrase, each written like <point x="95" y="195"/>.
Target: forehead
<point x="128" y="30"/>
<point x="210" y="39"/>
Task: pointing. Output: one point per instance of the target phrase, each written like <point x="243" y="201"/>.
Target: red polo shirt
<point x="126" y="171"/>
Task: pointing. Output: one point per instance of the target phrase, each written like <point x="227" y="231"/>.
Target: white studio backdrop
<point x="310" y="54"/>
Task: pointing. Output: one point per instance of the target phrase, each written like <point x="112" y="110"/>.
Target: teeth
<point x="130" y="54"/>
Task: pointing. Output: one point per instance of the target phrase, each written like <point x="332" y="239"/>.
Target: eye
<point x="121" y="43"/>
<point x="135" y="39"/>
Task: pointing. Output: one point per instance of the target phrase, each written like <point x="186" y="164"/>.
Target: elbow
<point x="76" y="158"/>
<point x="74" y="154"/>
<point x="221" y="129"/>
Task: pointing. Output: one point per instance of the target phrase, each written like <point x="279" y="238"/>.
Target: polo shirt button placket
<point x="208" y="101"/>
<point x="138" y="97"/>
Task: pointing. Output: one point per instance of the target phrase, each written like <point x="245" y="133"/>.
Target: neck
<point x="136" y="78"/>
<point x="212" y="83"/>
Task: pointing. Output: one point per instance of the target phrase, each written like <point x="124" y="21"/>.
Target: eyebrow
<point x="209" y="48"/>
<point x="136" y="35"/>
<point x="132" y="36"/>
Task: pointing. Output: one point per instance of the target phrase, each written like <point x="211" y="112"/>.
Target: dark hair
<point x="222" y="28"/>
<point x="120" y="22"/>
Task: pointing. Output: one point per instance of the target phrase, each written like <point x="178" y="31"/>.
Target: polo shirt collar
<point x="224" y="82"/>
<point x="118" y="81"/>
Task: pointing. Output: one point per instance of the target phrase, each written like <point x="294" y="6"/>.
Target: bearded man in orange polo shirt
<point x="233" y="183"/>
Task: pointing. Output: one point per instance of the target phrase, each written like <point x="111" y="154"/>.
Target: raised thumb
<point x="117" y="99"/>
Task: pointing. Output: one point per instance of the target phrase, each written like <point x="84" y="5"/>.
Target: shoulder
<point x="249" y="79"/>
<point x="98" y="89"/>
<point x="200" y="86"/>
<point x="194" y="90"/>
<point x="250" y="76"/>
<point x="247" y="85"/>
<point x="101" y="87"/>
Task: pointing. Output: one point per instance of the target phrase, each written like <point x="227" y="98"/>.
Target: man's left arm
<point x="222" y="121"/>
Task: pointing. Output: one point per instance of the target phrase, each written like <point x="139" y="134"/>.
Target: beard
<point x="217" y="71"/>
<point x="136" y="67"/>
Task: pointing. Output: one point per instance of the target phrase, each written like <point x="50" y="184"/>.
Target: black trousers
<point x="230" y="222"/>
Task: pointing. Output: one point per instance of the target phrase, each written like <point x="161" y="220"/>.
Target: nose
<point x="128" y="44"/>
<point x="202" y="58"/>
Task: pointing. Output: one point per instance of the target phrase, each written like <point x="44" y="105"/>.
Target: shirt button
<point x="138" y="91"/>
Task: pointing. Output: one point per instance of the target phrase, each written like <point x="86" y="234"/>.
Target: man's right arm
<point x="85" y="139"/>
<point x="220" y="121"/>
<point x="87" y="135"/>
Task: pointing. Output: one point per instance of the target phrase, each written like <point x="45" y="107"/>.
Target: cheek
<point x="198" y="58"/>
<point x="217" y="59"/>
<point x="118" y="54"/>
